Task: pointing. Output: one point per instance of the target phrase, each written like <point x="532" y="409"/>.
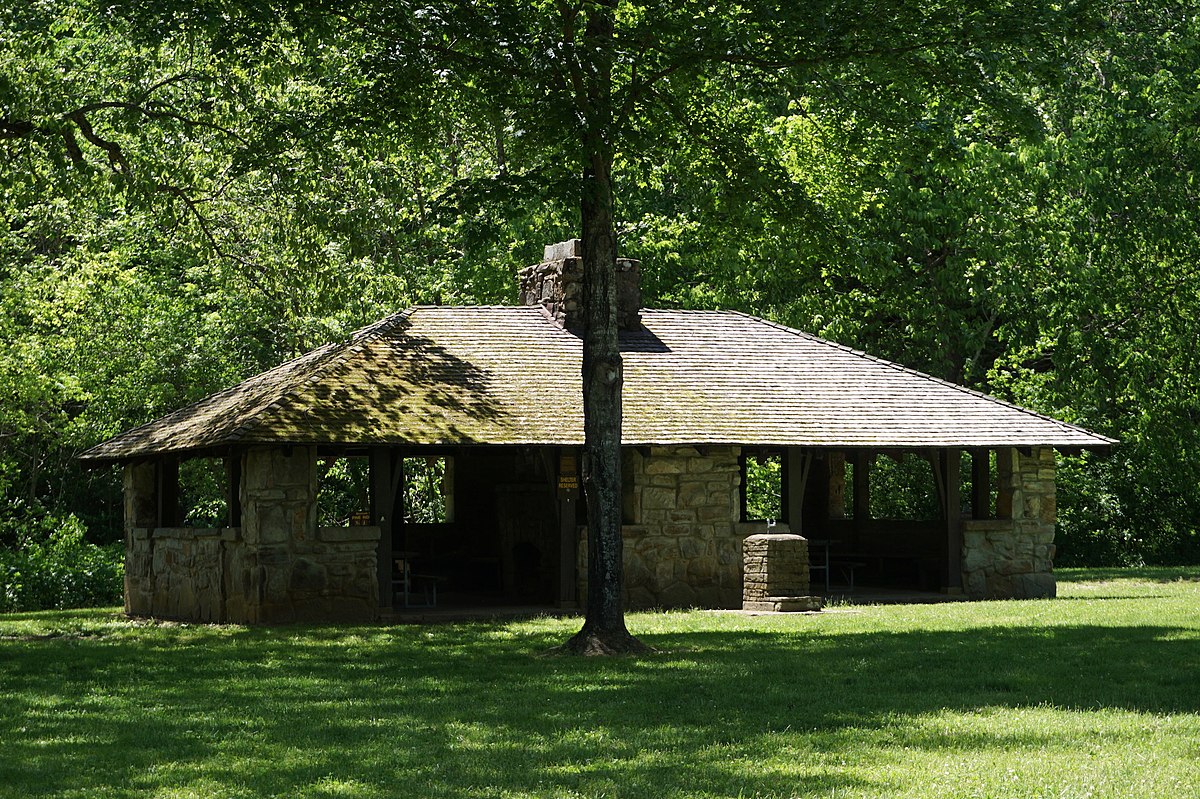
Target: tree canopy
<point x="999" y="194"/>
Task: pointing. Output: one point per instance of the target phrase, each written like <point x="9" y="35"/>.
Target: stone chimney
<point x="556" y="284"/>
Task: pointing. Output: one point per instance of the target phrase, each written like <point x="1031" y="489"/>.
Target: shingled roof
<point x="508" y="375"/>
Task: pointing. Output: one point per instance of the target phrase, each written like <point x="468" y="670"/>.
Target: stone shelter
<point x="487" y="400"/>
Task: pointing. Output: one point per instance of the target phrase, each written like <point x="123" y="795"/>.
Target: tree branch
<point x="72" y="145"/>
<point x="116" y="157"/>
<point x="831" y="58"/>
<point x="570" y="15"/>
<point x="638" y="88"/>
<point x="16" y="128"/>
<point x="157" y="110"/>
<point x="169" y="80"/>
<point x="193" y="207"/>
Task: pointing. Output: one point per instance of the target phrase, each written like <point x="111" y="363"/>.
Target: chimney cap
<point x="571" y="248"/>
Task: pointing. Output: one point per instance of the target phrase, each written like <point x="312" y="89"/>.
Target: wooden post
<point x="816" y="496"/>
<point x="742" y="472"/>
<point x="167" y="474"/>
<point x="384" y="489"/>
<point x="448" y="484"/>
<point x="862" y="487"/>
<point x="953" y="517"/>
<point x="1004" y="483"/>
<point x="981" y="484"/>
<point x="837" y="484"/>
<point x="796" y="468"/>
<point x="233" y="489"/>
<point x="567" y="492"/>
<point x="567" y="552"/>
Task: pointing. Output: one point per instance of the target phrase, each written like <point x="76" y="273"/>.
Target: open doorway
<point x="479" y="528"/>
<point x="877" y="520"/>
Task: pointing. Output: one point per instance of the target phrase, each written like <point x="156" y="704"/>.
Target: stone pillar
<point x="775" y="573"/>
<point x="1035" y="526"/>
<point x="279" y="511"/>
<point x="141" y="517"/>
<point x="681" y="545"/>
<point x="1013" y="558"/>
<point x="284" y="568"/>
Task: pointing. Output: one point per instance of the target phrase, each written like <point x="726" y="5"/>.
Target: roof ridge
<point x="490" y="307"/>
<point x="916" y="373"/>
<point x="322" y="368"/>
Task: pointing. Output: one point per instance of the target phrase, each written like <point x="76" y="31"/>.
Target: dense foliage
<point x="53" y="566"/>
<point x="194" y="194"/>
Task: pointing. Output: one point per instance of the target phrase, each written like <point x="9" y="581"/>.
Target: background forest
<point x="191" y="195"/>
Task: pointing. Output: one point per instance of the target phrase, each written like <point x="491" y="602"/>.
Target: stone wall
<point x="277" y="567"/>
<point x="179" y="572"/>
<point x="1013" y="557"/>
<point x="682" y="548"/>
<point x="335" y="578"/>
<point x="187" y="565"/>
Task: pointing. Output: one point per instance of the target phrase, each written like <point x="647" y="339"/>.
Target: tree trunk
<point x="604" y="631"/>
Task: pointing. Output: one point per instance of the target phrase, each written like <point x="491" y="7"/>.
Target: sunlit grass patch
<point x="1091" y="694"/>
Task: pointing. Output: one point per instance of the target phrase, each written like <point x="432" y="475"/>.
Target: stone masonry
<point x="775" y="573"/>
<point x="682" y="548"/>
<point x="141" y="510"/>
<point x="1012" y="557"/>
<point x="277" y="567"/>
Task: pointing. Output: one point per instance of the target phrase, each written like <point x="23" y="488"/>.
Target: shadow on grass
<point x="1145" y="574"/>
<point x="1113" y="597"/>
<point x="466" y="710"/>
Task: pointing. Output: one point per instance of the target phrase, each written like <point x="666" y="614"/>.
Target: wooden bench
<point x="408" y="585"/>
<point x="882" y="563"/>
<point x="847" y="567"/>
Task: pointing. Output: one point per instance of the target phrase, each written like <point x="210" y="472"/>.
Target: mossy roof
<point x="507" y="375"/>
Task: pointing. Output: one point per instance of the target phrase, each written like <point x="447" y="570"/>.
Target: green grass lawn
<point x="1095" y="694"/>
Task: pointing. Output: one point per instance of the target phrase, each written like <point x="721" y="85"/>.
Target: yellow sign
<point x="568" y="473"/>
